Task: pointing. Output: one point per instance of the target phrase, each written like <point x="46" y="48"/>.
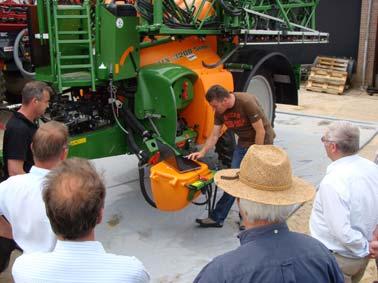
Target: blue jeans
<point x="225" y="203"/>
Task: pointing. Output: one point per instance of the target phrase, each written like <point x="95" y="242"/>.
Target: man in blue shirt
<point x="267" y="194"/>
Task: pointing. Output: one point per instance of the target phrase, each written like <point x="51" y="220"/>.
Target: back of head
<point x="345" y="135"/>
<point x="34" y="89"/>
<point x="217" y="92"/>
<point x="254" y="211"/>
<point x="49" y="141"/>
<point x="74" y="196"/>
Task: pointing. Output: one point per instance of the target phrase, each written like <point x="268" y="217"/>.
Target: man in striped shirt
<point x="74" y="196"/>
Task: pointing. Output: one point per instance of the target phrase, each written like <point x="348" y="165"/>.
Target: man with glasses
<point x="21" y="200"/>
<point x="344" y="214"/>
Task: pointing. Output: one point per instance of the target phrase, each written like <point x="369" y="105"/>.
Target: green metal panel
<point x="159" y="96"/>
<point x="117" y="36"/>
<point x="100" y="143"/>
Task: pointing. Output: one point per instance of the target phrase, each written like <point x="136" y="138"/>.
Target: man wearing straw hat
<point x="267" y="194"/>
<point x="344" y="214"/>
<point x="241" y="113"/>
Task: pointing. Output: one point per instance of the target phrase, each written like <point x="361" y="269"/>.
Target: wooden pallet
<point x="330" y="63"/>
<point x="327" y="76"/>
<point x="325" y="87"/>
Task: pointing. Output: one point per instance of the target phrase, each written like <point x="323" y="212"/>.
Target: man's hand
<point x="5" y="228"/>
<point x="373" y="249"/>
<point x="196" y="155"/>
<point x="373" y="245"/>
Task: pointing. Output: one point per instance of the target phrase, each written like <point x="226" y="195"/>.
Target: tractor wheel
<point x="225" y="148"/>
<point x="261" y="85"/>
<point x="2" y="86"/>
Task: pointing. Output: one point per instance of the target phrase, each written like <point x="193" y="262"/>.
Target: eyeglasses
<point x="324" y="140"/>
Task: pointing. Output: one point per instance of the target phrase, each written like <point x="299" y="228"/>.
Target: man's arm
<point x="260" y="131"/>
<point x="5" y="228"/>
<point x="15" y="167"/>
<point x="373" y="244"/>
<point x="210" y="143"/>
<point x="337" y="217"/>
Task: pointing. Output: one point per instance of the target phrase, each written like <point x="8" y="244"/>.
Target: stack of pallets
<point x="328" y="75"/>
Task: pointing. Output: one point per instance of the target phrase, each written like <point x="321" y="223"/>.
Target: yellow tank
<point x="170" y="188"/>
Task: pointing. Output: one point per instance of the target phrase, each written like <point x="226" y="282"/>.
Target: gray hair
<point x="34" y="89"/>
<point x="345" y="135"/>
<point x="273" y="213"/>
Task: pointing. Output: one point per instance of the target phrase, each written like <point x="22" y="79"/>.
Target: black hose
<point x="142" y="185"/>
<point x="230" y="10"/>
<point x="134" y="123"/>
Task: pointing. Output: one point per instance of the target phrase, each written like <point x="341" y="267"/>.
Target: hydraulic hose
<point x="134" y="123"/>
<point x="142" y="185"/>
<point x="230" y="10"/>
<point x="16" y="56"/>
<point x="134" y="148"/>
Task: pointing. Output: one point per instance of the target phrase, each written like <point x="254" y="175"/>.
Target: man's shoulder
<point x="123" y="259"/>
<point x="101" y="267"/>
<point x="19" y="122"/>
<point x="245" y="96"/>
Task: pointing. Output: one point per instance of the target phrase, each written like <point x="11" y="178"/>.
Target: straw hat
<point x="265" y="177"/>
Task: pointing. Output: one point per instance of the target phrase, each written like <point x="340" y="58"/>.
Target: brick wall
<point x="371" y="50"/>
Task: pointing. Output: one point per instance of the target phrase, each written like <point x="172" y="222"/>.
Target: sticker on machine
<point x="191" y="57"/>
<point x="78" y="141"/>
<point x="119" y="23"/>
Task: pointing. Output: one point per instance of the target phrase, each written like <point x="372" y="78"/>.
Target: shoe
<point x="208" y="222"/>
<point x="241" y="225"/>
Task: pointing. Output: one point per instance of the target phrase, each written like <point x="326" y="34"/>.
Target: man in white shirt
<point x="344" y="214"/>
<point x="21" y="200"/>
<point x="74" y="196"/>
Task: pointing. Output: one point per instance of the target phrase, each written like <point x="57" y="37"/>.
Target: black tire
<point x="225" y="148"/>
<point x="14" y="85"/>
<point x="2" y="86"/>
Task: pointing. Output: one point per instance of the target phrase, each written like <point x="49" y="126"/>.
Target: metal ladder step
<point x="78" y="66"/>
<point x="71" y="16"/>
<point x="74" y="57"/>
<point x="81" y="18"/>
<point x="70" y="41"/>
<point x="72" y="32"/>
<point x="70" y="7"/>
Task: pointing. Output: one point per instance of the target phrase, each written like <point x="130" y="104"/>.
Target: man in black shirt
<point x="17" y="154"/>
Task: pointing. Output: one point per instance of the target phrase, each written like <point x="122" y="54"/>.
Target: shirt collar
<point x="92" y="246"/>
<point x="254" y="233"/>
<point x="22" y="117"/>
<point x="342" y="160"/>
<point x="42" y="172"/>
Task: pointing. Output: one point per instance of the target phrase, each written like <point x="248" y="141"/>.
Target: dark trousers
<point x="226" y="201"/>
<point x="6" y="248"/>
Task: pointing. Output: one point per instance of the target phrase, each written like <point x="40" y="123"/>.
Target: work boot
<point x="208" y="222"/>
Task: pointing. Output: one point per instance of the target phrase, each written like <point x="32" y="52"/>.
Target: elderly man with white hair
<point x="267" y="194"/>
<point x="344" y="214"/>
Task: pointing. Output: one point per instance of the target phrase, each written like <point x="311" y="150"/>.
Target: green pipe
<point x="238" y="66"/>
<point x="51" y="39"/>
<point x="284" y="15"/>
<point x="199" y="10"/>
<point x="207" y="13"/>
<point x="41" y="20"/>
<point x="158" y="12"/>
<point x="156" y="42"/>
